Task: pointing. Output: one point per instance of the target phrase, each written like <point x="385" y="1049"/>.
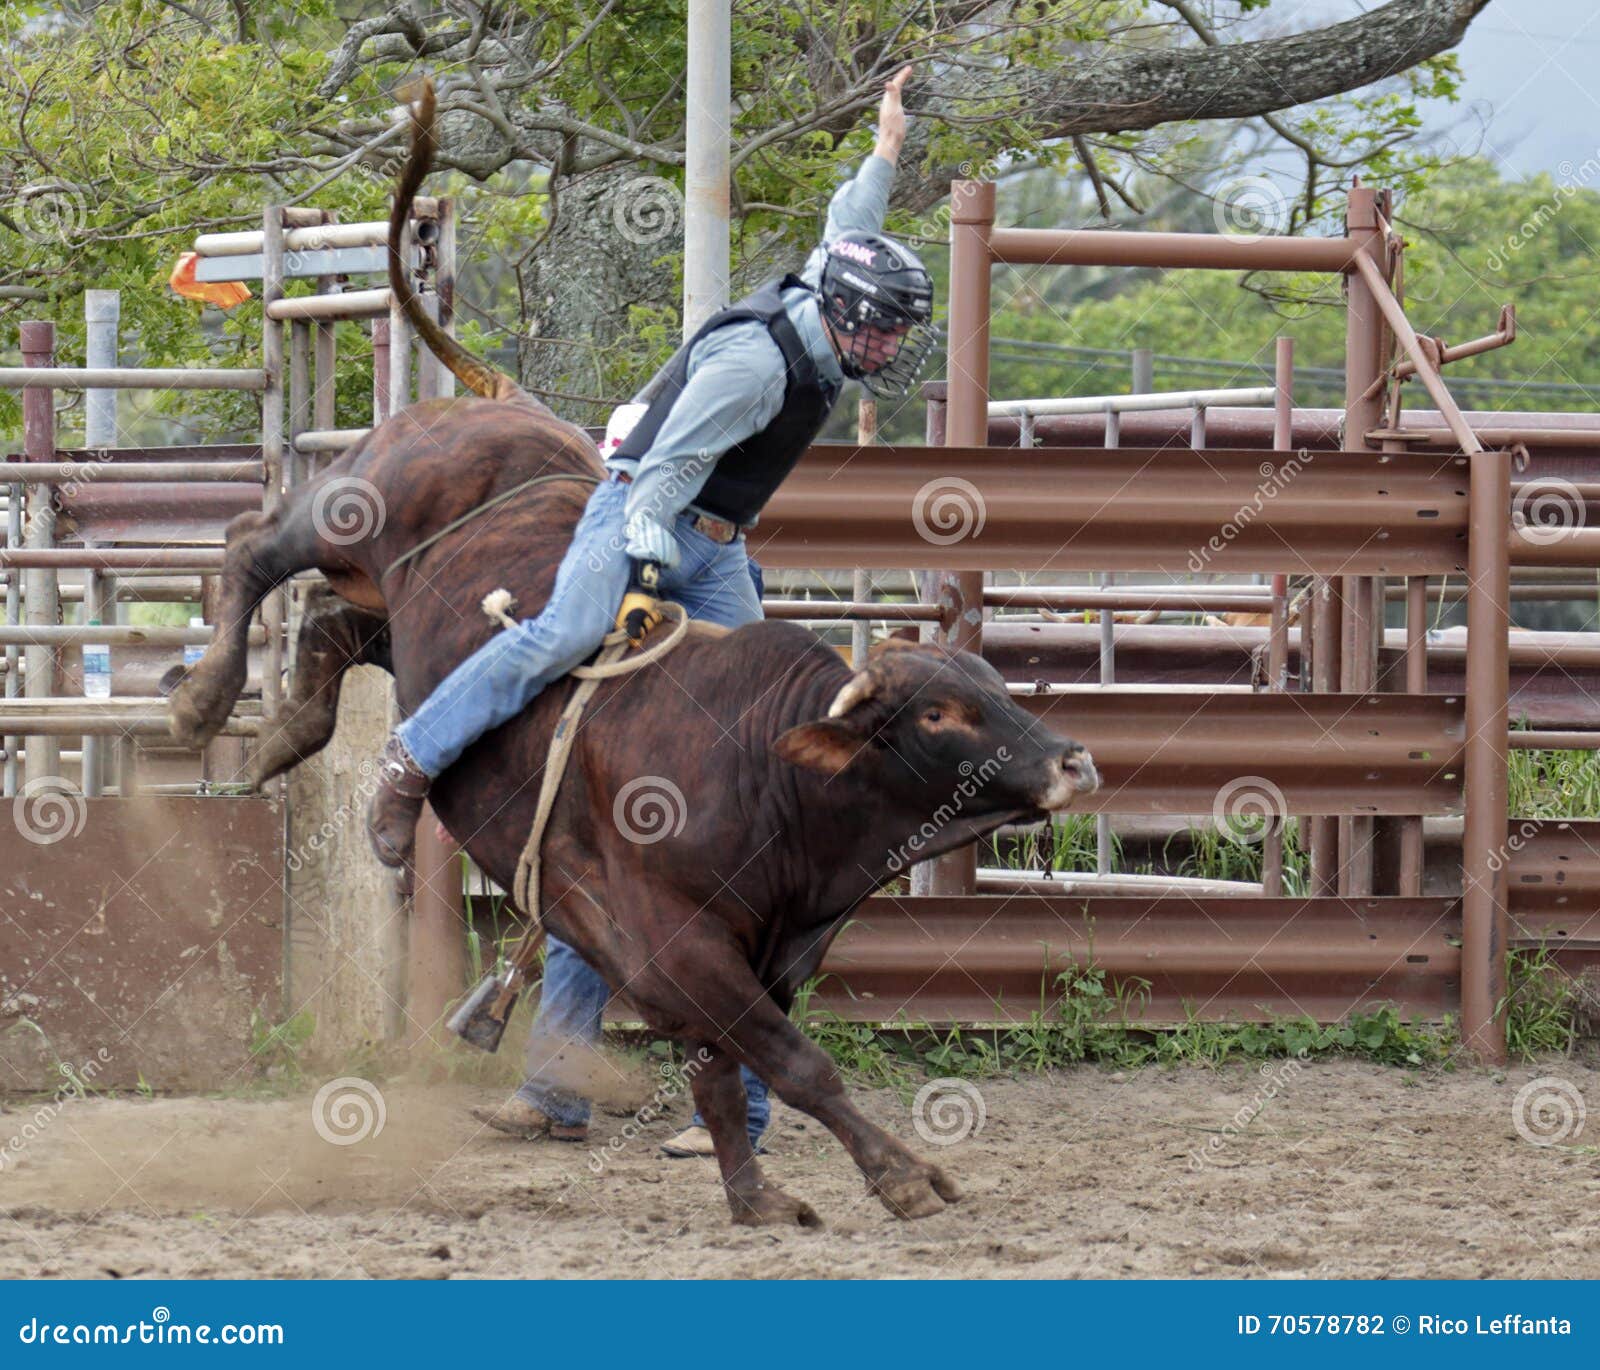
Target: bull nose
<point x="1078" y="767"/>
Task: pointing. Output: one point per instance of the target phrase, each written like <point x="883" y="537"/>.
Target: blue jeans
<point x="715" y="581"/>
<point x="712" y="581"/>
<point x="570" y="1005"/>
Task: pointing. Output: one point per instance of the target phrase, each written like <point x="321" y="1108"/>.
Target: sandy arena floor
<point x="1345" y="1169"/>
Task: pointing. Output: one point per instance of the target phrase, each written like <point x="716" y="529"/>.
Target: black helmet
<point x="872" y="280"/>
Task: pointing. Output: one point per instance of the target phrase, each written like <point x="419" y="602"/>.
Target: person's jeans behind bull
<point x="713" y="581"/>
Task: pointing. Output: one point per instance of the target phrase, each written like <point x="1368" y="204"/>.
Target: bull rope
<point x="483" y="508"/>
<point x="610" y="663"/>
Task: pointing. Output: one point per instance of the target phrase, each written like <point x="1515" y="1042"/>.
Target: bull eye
<point x="932" y="716"/>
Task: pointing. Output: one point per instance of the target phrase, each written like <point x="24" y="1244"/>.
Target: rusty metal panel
<point x="977" y="959"/>
<point x="1165" y="510"/>
<point x="1553" y="888"/>
<point x="1161" y="751"/>
<point x="139" y="934"/>
<point x="164" y="511"/>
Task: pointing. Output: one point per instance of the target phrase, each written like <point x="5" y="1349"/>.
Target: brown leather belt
<point x="718" y="530"/>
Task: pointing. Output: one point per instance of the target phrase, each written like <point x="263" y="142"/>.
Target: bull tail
<point x="477" y="375"/>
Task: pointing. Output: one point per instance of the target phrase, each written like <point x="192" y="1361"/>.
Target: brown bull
<point x="792" y="787"/>
<point x="803" y="787"/>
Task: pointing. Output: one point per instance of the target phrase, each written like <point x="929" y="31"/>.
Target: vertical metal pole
<point x="299" y="396"/>
<point x="1413" y="857"/>
<point x="861" y="579"/>
<point x="967" y="425"/>
<point x="1144" y="370"/>
<point x="400" y="338"/>
<point x="1363" y="364"/>
<point x="1325" y="680"/>
<point x="445" y="283"/>
<point x="706" y="164"/>
<point x="13" y="619"/>
<point x="102" y="312"/>
<point x="1278" y="629"/>
<point x="324" y="357"/>
<point x="1483" y="845"/>
<point x="43" y="587"/>
<point x="380" y="371"/>
<point x="1108" y="664"/>
<point x="272" y="444"/>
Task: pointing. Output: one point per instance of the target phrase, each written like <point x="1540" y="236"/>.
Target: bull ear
<point x="826" y="747"/>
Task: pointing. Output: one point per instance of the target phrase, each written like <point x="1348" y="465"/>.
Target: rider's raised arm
<point x="734" y="389"/>
<point x="858" y="206"/>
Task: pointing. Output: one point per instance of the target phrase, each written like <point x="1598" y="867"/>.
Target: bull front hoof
<point x="769" y="1207"/>
<point x="918" y="1194"/>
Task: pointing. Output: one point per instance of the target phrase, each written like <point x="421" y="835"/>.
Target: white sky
<point x="1531" y="91"/>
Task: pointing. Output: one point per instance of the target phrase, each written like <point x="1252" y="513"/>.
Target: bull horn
<point x="857" y="690"/>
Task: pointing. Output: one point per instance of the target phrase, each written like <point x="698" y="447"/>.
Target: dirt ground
<point x="1325" y="1169"/>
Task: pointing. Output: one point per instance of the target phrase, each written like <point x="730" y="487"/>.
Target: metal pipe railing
<point x="1130" y="404"/>
<point x="131" y="378"/>
<point x="132" y="472"/>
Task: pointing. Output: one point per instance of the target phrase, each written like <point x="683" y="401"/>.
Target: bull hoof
<point x="769" y="1207"/>
<point x="918" y="1194"/>
<point x="192" y="716"/>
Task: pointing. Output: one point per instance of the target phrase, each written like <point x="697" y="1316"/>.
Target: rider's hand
<point x="640" y="611"/>
<point x="892" y="117"/>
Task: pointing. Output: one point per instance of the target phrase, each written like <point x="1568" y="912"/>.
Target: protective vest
<point x="746" y="475"/>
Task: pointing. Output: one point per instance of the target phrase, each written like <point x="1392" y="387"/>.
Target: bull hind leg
<point x="720" y="1097"/>
<point x="334" y="636"/>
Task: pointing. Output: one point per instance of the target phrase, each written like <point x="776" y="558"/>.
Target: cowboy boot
<point x="392" y="816"/>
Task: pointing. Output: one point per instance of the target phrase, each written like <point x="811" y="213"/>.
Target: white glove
<point x="649" y="541"/>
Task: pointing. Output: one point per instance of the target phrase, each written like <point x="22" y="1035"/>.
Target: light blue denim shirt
<point x="735" y="384"/>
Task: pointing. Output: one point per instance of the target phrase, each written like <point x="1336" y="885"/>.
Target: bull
<point x="797" y="785"/>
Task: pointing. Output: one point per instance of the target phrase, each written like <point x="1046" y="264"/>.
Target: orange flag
<point x="223" y="294"/>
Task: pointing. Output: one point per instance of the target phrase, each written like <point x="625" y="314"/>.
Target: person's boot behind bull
<point x="731" y="414"/>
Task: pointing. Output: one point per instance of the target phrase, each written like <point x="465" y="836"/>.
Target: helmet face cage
<point x="869" y="283"/>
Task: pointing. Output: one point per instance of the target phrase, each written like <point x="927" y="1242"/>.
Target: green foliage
<point x="1540" y="1005"/>
<point x="140" y="124"/>
<point x="275" y="1048"/>
<point x="1085" y="1015"/>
